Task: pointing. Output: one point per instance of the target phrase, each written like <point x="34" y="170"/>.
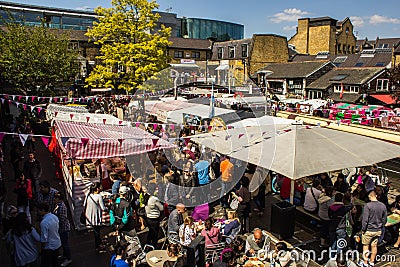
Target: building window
<point x="382" y="85"/>
<point x="337" y="88"/>
<point x="178" y="54"/>
<point x="231" y="51"/>
<point x="195" y="54"/>
<point x="383" y="45"/>
<point x="73" y="45"/>
<point x="245" y="50"/>
<point x="354" y="89"/>
<point x="220" y="52"/>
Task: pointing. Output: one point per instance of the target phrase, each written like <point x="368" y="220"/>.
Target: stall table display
<point x="81" y="144"/>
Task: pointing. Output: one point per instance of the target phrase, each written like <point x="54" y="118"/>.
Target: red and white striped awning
<point x="93" y="141"/>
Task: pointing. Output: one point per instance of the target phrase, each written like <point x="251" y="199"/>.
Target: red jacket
<point x="28" y="186"/>
<point x="285" y="188"/>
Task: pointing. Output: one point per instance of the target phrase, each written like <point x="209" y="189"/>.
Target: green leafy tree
<point x="131" y="50"/>
<point x="35" y="56"/>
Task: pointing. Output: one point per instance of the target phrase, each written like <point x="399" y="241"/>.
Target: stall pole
<point x="291" y="191"/>
<point x="72" y="180"/>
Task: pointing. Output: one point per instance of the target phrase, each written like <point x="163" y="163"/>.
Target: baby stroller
<point x="134" y="251"/>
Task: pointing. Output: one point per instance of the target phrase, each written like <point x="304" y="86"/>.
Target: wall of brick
<point x="267" y="49"/>
<point x="300" y="39"/>
<point x="321" y="39"/>
<point x="346" y="39"/>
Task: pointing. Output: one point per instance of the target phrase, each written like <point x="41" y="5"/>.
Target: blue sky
<point x="370" y="18"/>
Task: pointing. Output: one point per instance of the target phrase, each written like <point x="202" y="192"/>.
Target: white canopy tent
<point x="299" y="151"/>
<point x="264" y="120"/>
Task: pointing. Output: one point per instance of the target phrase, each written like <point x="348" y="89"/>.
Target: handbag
<point x="234" y="203"/>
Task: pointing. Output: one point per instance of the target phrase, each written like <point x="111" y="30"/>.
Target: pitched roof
<point x="185" y="43"/>
<point x="347" y="98"/>
<point x="382" y="57"/>
<point x="356" y="76"/>
<point x="293" y="69"/>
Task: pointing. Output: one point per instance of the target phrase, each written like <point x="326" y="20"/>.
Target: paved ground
<point x="82" y="242"/>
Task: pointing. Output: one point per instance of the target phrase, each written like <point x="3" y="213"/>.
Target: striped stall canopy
<point x="94" y="141"/>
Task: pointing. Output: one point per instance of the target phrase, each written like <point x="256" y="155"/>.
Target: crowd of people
<point x="353" y="208"/>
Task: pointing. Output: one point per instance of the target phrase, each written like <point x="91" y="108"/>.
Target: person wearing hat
<point x="121" y="212"/>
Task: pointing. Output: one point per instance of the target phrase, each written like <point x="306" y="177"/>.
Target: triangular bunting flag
<point x="23" y="138"/>
<point x="33" y="98"/>
<point x="64" y="140"/>
<point x="84" y="141"/>
<point x="39" y="109"/>
<point x="24" y="106"/>
<point x="2" y="100"/>
<point x="172" y="127"/>
<point x="45" y="140"/>
<point x="120" y="141"/>
<point x="154" y="142"/>
<point x="55" y="100"/>
<point x="19" y="98"/>
<point x="32" y="108"/>
<point x="2" y="136"/>
<point x="227" y="137"/>
<point x="120" y="122"/>
<point x="87" y="119"/>
<point x="146" y="125"/>
<point x="71" y="116"/>
<point x="50" y="99"/>
<point x="240" y="136"/>
<point x="137" y="124"/>
<point x="328" y="122"/>
<point x="209" y="127"/>
<point x="104" y="121"/>
<point x="155" y="125"/>
<point x="26" y="98"/>
<point x="55" y="113"/>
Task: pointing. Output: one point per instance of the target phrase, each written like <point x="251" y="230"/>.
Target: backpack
<point x="118" y="211"/>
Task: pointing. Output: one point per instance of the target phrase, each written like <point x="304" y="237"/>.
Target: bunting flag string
<point x="23" y="138"/>
<point x="84" y="141"/>
<point x="45" y="140"/>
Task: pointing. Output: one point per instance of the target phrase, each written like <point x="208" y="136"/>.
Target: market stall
<point x="82" y="143"/>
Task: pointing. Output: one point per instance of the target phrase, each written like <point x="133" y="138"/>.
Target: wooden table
<point x="156" y="258"/>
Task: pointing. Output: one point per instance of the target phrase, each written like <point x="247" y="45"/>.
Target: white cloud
<point x="289" y="14"/>
<point x="357" y="21"/>
<point x="289" y="28"/>
<point x="378" y="19"/>
<point x="84" y="8"/>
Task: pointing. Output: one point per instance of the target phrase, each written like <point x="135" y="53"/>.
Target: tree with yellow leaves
<point x="131" y="50"/>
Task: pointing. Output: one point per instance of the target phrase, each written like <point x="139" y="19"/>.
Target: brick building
<point x="324" y="34"/>
<point x="239" y="59"/>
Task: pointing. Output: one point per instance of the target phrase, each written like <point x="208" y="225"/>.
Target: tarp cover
<point x="91" y="141"/>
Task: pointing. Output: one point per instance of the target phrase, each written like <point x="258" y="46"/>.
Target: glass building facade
<point x="52" y="17"/>
<point x="216" y="30"/>
<point x="60" y="18"/>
